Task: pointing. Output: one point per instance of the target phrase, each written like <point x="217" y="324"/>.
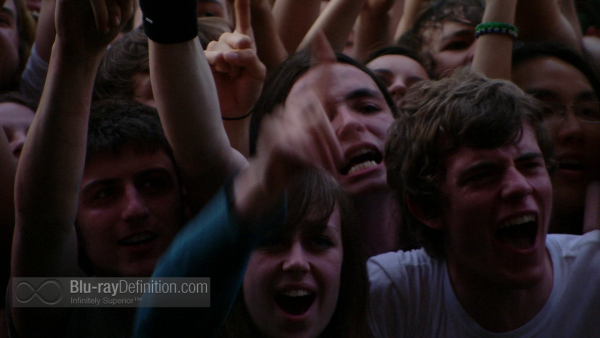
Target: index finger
<point x="321" y="50"/>
<point x="243" y="23"/>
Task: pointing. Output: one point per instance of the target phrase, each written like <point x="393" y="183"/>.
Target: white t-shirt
<point x="411" y="295"/>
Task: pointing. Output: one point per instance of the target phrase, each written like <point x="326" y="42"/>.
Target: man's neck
<point x="498" y="308"/>
<point x="377" y="215"/>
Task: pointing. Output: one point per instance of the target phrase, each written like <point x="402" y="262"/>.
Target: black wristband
<point x="170" y="22"/>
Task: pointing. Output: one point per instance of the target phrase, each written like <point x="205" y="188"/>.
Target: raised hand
<point x="238" y="72"/>
<point x="297" y="137"/>
<point x="90" y="25"/>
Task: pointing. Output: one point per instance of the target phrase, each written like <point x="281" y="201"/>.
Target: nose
<point x="347" y="123"/>
<point x="516" y="185"/>
<point x="296" y="259"/>
<point x="135" y="208"/>
<point x="397" y="89"/>
<point x="569" y="130"/>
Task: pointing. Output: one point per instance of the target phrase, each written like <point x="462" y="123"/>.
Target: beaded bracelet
<point x="496" y="28"/>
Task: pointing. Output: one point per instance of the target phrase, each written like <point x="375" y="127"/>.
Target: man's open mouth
<point x="362" y="159"/>
<point x="518" y="232"/>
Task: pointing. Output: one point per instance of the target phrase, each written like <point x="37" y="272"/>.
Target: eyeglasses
<point x="584" y="111"/>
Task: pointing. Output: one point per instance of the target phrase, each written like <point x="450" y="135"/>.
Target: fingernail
<point x="231" y="56"/>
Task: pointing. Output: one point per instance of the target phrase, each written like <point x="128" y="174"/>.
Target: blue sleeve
<point x="213" y="245"/>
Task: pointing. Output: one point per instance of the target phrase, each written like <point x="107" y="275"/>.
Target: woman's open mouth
<point x="295" y="302"/>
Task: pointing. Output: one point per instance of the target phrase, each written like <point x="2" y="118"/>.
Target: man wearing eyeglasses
<point x="569" y="92"/>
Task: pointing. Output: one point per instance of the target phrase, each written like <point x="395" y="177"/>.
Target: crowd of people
<point x="341" y="168"/>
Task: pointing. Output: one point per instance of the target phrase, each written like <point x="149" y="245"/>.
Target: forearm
<point x="51" y="164"/>
<point x="409" y="16"/>
<point x="293" y="19"/>
<point x="336" y="21"/>
<point x="269" y="47"/>
<point x="494" y="51"/>
<point x="7" y="205"/>
<point x="215" y="244"/>
<point x="191" y="120"/>
<point x="46" y="29"/>
<point x="47" y="183"/>
<point x="372" y="33"/>
<point x="541" y="20"/>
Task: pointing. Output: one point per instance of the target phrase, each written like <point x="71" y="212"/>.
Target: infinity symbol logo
<point x="49" y="292"/>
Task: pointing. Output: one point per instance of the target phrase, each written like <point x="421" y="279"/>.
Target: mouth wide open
<point x="520" y="237"/>
<point x="295" y="306"/>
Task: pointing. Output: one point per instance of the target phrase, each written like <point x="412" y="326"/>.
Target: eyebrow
<point x="540" y="93"/>
<point x="112" y="180"/>
<point x="484" y="165"/>
<point x="587" y="96"/>
<point x="97" y="183"/>
<point x="8" y="11"/>
<point x="384" y="71"/>
<point x="528" y="156"/>
<point x="458" y="34"/>
<point x="362" y="93"/>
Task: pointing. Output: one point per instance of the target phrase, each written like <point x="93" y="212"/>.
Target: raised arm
<point x="293" y="19"/>
<point x="219" y="240"/>
<point x="191" y="118"/>
<point x="373" y="29"/>
<point x="269" y="47"/>
<point x="409" y="15"/>
<point x="34" y="75"/>
<point x="336" y="21"/>
<point x="52" y="161"/>
<point x="542" y="20"/>
<point x="7" y="205"/>
<point x="239" y="76"/>
<point x="494" y="51"/>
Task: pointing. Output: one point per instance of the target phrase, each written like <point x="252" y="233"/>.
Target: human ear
<point x="424" y="213"/>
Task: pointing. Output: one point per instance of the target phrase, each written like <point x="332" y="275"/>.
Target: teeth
<point x="295" y="293"/>
<point x="360" y="152"/>
<point x="518" y="221"/>
<point x="361" y="166"/>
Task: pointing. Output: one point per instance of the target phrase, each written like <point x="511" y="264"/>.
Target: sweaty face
<point x="292" y="282"/>
<point x="451" y="44"/>
<point x="398" y="73"/>
<point x="9" y="45"/>
<point x="15" y="119"/>
<point x="360" y="118"/>
<point x="495" y="212"/>
<point x="129" y="211"/>
<point x="577" y="143"/>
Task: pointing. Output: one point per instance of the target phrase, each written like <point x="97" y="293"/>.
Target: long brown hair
<point x="316" y="192"/>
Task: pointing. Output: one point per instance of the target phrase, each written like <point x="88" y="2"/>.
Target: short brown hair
<point x="437" y="117"/>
